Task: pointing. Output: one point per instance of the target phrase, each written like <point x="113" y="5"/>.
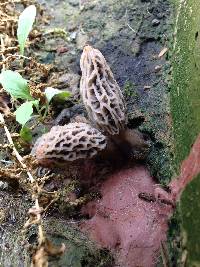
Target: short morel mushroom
<point x="69" y="143"/>
<point x="100" y="92"/>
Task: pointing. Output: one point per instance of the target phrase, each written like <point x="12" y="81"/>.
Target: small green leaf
<point x="36" y="103"/>
<point x="60" y="95"/>
<point x="15" y="85"/>
<point x="26" y="134"/>
<point x="24" y="112"/>
<point x="25" y="24"/>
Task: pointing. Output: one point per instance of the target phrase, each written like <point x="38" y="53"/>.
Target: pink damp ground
<point x="131" y="227"/>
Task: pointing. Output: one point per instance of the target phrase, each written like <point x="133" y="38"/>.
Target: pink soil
<point x="126" y="224"/>
<point x="131" y="227"/>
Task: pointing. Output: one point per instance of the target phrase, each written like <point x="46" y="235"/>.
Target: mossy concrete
<point x="185" y="107"/>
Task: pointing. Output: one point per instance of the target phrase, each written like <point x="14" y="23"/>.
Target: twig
<point x="126" y="16"/>
<point x="20" y="159"/>
<point x="41" y="237"/>
<point x="15" y="56"/>
<point x="3" y="48"/>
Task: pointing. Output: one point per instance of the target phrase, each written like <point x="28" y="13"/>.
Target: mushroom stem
<point x="131" y="143"/>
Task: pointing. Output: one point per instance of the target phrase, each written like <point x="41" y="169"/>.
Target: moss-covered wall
<point x="185" y="104"/>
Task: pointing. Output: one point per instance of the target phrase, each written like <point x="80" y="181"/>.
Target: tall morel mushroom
<point x="100" y="92"/>
<point x="105" y="105"/>
<point x="69" y="143"/>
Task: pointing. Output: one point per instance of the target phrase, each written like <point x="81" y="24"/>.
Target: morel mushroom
<point x="100" y="92"/>
<point x="104" y="103"/>
<point x="69" y="143"/>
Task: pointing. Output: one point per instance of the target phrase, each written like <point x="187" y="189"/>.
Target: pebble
<point x="155" y="22"/>
<point x="3" y="185"/>
<point x="158" y="68"/>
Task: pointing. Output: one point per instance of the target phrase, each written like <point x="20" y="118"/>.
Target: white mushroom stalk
<point x="100" y="92"/>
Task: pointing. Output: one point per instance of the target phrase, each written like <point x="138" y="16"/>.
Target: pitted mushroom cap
<point x="68" y="143"/>
<point x="100" y="92"/>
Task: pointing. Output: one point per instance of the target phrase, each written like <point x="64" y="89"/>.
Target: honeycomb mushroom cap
<point x="69" y="143"/>
<point x="100" y="92"/>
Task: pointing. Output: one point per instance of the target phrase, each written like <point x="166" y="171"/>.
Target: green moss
<point x="185" y="101"/>
<point x="190" y="209"/>
<point x="185" y="104"/>
<point x="129" y="89"/>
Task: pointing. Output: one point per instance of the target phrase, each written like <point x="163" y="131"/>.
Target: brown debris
<point x="23" y="171"/>
<point x="4" y="102"/>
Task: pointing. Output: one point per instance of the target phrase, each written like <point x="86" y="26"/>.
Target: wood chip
<point x="162" y="52"/>
<point x="147" y="87"/>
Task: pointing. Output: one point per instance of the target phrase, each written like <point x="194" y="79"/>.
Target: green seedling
<point x="25" y="111"/>
<point x="15" y="85"/>
<point x="25" y="24"/>
<point x="26" y="134"/>
<point x="59" y="95"/>
<point x="18" y="88"/>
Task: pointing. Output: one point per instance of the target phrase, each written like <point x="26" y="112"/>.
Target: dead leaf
<point x="40" y="258"/>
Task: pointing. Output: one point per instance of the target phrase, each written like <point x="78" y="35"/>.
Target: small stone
<point x="64" y="60"/>
<point x="155" y="22"/>
<point x="3" y="185"/>
<point x="74" y="3"/>
<point x="147" y="87"/>
<point x="73" y="35"/>
<point x="62" y="49"/>
<point x="157" y="68"/>
<point x="70" y="81"/>
<point x="69" y="114"/>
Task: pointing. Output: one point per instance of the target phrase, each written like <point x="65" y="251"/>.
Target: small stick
<point x="2" y="48"/>
<point x="19" y="158"/>
<point x="41" y="237"/>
